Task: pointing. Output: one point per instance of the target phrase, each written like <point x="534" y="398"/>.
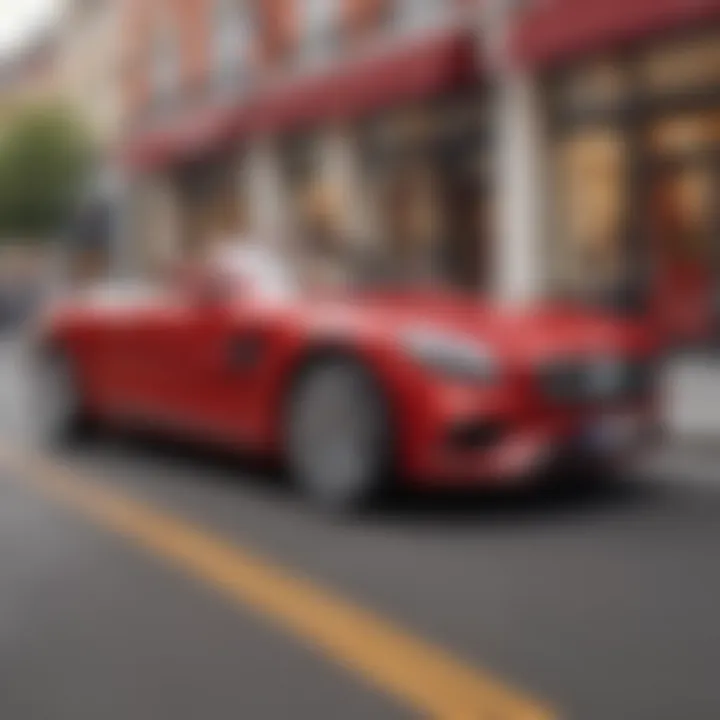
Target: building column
<point x="520" y="191"/>
<point x="520" y="173"/>
<point x="263" y="193"/>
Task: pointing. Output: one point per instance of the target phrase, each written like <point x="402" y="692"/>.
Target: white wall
<point x="520" y="164"/>
<point x="520" y="183"/>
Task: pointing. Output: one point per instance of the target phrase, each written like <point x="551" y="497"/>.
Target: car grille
<point x="475" y="435"/>
<point x="596" y="380"/>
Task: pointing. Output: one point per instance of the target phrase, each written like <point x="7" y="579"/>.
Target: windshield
<point x="257" y="269"/>
<point x="268" y="272"/>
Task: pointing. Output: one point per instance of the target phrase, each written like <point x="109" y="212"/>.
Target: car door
<point x="180" y="362"/>
<point x="105" y="353"/>
<point x="144" y="389"/>
<point x="219" y="351"/>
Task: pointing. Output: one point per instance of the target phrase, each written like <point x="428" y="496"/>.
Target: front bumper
<point x="506" y="446"/>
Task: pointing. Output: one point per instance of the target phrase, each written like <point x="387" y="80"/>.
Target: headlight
<point x="451" y="355"/>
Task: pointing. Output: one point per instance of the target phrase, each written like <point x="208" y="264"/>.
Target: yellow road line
<point x="419" y="675"/>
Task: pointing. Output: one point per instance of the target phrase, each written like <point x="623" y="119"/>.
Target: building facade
<point x="631" y="105"/>
<point x="355" y="122"/>
<point x="30" y="76"/>
<point x="559" y="147"/>
<point x="90" y="43"/>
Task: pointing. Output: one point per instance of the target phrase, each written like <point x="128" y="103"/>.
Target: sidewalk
<point x="690" y="452"/>
<point x="691" y="397"/>
<point x="683" y="464"/>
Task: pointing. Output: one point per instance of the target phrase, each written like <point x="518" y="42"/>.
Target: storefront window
<point x="587" y="253"/>
<point x="303" y="178"/>
<point x="598" y="87"/>
<point x="690" y="65"/>
<point x="591" y="191"/>
<point x="683" y="227"/>
<point x="425" y="173"/>
<point x="687" y="134"/>
<point x="408" y="202"/>
<point x="316" y="210"/>
<point x="637" y="180"/>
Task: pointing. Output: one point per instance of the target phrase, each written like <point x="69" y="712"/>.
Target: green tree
<point x="44" y="160"/>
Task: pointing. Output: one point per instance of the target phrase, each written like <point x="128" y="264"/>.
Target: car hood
<point x="542" y="332"/>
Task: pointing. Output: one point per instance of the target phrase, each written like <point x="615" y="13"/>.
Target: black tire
<point x="58" y="405"/>
<point x="338" y="435"/>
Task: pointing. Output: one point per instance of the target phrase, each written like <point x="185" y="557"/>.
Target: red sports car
<point x="352" y="390"/>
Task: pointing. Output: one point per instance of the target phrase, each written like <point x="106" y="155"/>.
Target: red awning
<point x="409" y="71"/>
<point x="555" y="30"/>
<point x="186" y="137"/>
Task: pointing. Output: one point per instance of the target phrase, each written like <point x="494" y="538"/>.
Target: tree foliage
<point x="44" y="161"/>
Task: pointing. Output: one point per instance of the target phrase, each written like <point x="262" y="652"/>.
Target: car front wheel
<point x="338" y="435"/>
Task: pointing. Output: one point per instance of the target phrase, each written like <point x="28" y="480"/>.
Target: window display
<point x="591" y="202"/>
<point x="683" y="221"/>
<point x="636" y="156"/>
<point x="687" y="65"/>
<point x="424" y="168"/>
<point x="600" y="86"/>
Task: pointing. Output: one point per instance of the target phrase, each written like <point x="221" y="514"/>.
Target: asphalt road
<point x="602" y="606"/>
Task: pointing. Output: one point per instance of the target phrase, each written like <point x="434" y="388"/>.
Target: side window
<point x="410" y="15"/>
<point x="165" y="63"/>
<point x="231" y="45"/>
<point x="319" y="29"/>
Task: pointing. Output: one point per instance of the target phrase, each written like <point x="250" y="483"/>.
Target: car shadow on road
<point x="534" y="505"/>
<point x="215" y="464"/>
<point x="570" y="500"/>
